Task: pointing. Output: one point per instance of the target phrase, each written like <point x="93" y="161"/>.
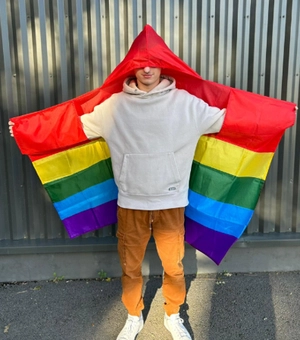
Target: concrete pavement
<point x="221" y="306"/>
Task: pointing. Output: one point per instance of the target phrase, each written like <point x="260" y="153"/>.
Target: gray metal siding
<point x="51" y="51"/>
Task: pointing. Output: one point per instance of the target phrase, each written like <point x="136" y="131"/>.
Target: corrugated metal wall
<point x="51" y="51"/>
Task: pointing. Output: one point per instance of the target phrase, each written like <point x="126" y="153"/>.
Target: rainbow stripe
<point x="80" y="184"/>
<point x="225" y="184"/>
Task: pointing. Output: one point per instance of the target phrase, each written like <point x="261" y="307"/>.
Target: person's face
<point x="147" y="78"/>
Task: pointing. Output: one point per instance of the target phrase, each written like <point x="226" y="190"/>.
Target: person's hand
<point x="10" y="126"/>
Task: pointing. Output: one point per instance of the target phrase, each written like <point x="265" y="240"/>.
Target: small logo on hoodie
<point x="172" y="188"/>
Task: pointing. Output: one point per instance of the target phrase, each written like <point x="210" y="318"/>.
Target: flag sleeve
<point x="54" y="128"/>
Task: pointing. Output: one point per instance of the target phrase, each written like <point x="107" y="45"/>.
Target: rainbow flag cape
<point x="228" y="171"/>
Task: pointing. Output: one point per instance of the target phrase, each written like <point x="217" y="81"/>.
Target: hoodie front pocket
<point x="149" y="174"/>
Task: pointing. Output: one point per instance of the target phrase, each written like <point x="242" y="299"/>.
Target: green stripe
<point x="223" y="187"/>
<point x="67" y="186"/>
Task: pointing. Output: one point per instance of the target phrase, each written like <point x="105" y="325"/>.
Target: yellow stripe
<point x="232" y="159"/>
<point x="68" y="162"/>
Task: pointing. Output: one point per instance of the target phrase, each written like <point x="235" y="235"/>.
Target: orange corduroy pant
<point x="135" y="227"/>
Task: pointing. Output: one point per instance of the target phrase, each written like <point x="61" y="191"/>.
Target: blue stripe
<point x="87" y="199"/>
<point x="222" y="217"/>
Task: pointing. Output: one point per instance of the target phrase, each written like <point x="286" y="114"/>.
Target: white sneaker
<point x="133" y="326"/>
<point x="174" y="325"/>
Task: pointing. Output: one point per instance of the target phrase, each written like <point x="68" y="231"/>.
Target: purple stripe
<point x="92" y="219"/>
<point x="210" y="242"/>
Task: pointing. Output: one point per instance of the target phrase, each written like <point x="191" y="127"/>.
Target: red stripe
<point x="255" y="122"/>
<point x="50" y="129"/>
<point x="252" y="121"/>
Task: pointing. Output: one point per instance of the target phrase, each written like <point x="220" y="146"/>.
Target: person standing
<point x="152" y="130"/>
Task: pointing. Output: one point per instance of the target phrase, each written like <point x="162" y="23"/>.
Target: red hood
<point x="149" y="49"/>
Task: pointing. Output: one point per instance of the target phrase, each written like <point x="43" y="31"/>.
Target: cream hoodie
<point x="152" y="138"/>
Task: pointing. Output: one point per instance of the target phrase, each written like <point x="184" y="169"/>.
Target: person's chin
<point x="148" y="83"/>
